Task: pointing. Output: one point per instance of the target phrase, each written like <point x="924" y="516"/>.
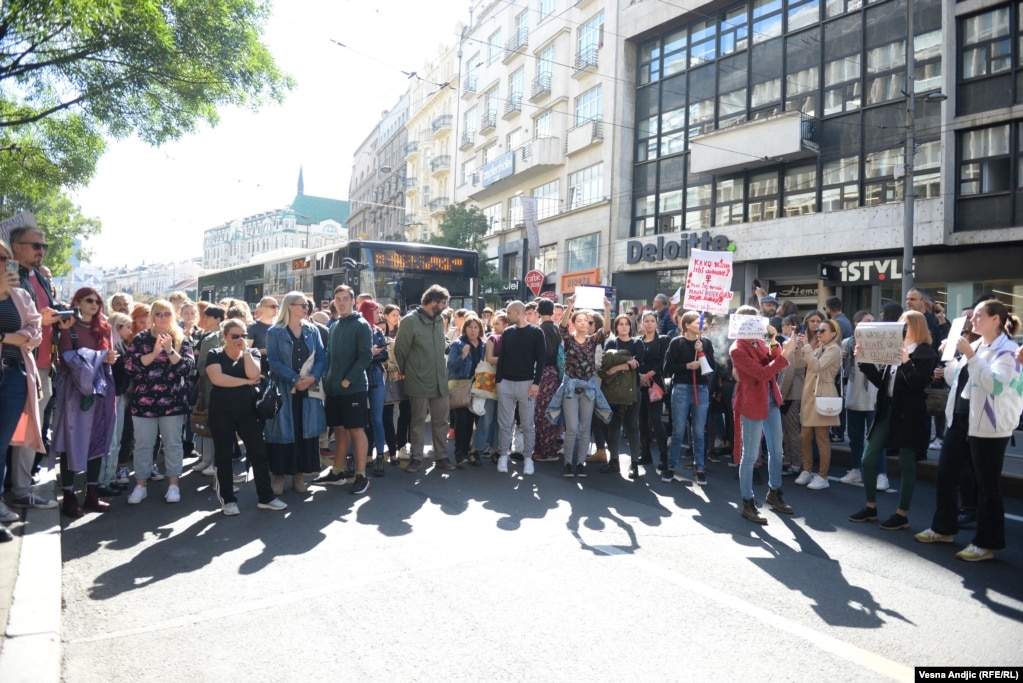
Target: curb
<point x="32" y="647"/>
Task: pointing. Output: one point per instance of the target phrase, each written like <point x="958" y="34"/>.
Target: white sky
<point x="249" y="163"/>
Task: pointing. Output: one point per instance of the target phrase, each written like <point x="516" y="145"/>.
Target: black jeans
<point x="988" y="457"/>
<point x="463" y="425"/>
<point x="652" y="426"/>
<point x="389" y="434"/>
<point x="627" y="417"/>
<point x="225" y="424"/>
<point x="954" y="457"/>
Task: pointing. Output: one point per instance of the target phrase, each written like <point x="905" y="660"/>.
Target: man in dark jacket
<point x="420" y="352"/>
<point x="349" y="354"/>
<point x="520" y="366"/>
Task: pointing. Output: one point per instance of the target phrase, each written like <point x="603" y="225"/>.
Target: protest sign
<point x="879" y="343"/>
<point x="747" y="327"/>
<point x="954" y="332"/>
<point x="709" y="281"/>
<point x="589" y="297"/>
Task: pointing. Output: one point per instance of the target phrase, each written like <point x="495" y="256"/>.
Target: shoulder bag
<point x="828" y="406"/>
<point x="460" y="393"/>
<point x="199" y="420"/>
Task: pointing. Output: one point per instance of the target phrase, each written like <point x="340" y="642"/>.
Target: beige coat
<point x="824" y="363"/>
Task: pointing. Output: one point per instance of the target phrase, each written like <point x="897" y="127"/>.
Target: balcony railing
<point x="541" y="87"/>
<point x="441" y="163"/>
<point x="467" y="139"/>
<point x="439" y="204"/>
<point x="469" y="84"/>
<point x="517" y="42"/>
<point x="586" y="58"/>
<point x="411" y="148"/>
<point x="442" y="122"/>
<point x="488" y="120"/>
<point x="513" y="105"/>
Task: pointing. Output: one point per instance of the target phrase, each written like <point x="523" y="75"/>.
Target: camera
<point x="69" y="313"/>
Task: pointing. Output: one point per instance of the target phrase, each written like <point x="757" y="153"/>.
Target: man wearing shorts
<point x="349" y="355"/>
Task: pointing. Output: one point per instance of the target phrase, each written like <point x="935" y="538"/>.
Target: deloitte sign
<point x="673" y="248"/>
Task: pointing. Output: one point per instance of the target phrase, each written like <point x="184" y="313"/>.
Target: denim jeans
<point x="13" y="391"/>
<point x="376" y="412"/>
<point x="485" y="435"/>
<point x="751" y="431"/>
<point x="23" y="459"/>
<point x="108" y="469"/>
<point x="684" y="404"/>
<point x="146" y="430"/>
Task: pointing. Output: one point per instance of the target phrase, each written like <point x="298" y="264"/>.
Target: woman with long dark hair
<point x="651" y="373"/>
<point x="823" y="362"/>
<point x="690" y="393"/>
<point x="464" y="355"/>
<point x="625" y="413"/>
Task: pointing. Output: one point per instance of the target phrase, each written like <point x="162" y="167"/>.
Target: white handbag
<point x="828" y="406"/>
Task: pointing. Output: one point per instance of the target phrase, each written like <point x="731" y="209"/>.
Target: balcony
<point x="585" y="61"/>
<point x="512" y="106"/>
<point x="439" y="204"/>
<point x="516" y="43"/>
<point x="467" y="139"/>
<point x="584" y="135"/>
<point x="488" y="120"/>
<point x="411" y="185"/>
<point x="531" y="159"/>
<point x="767" y="142"/>
<point x="442" y="125"/>
<point x="541" y="87"/>
<point x="440" y="165"/>
<point x="411" y="149"/>
<point x="469" y="85"/>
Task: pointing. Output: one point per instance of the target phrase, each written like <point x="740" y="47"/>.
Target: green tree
<point x="464" y="227"/>
<point x="75" y="71"/>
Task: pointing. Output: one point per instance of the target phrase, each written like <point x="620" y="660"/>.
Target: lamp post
<point x="909" y="193"/>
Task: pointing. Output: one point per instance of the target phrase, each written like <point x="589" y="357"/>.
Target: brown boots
<point x="750" y="512"/>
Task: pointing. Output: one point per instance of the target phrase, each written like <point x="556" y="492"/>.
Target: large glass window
<point x="729" y="204"/>
<point x="583" y="252"/>
<point x="703" y="39"/>
<point x="734" y="30"/>
<point x="493" y="215"/>
<point x="588" y="106"/>
<point x="840" y="184"/>
<point x="879" y="169"/>
<point x="766" y="79"/>
<point x="547" y="262"/>
<point x="763" y="196"/>
<point x="543" y="125"/>
<point x="548" y="199"/>
<point x="698" y="202"/>
<point x="842" y="65"/>
<point x="767" y="19"/>
<point x="586" y="187"/>
<point x="731" y="91"/>
<point x="546" y="8"/>
<point x="515" y="82"/>
<point x="985" y="164"/>
<point x="986" y="48"/>
<point x="927" y="170"/>
<point x="801" y="190"/>
<point x="802" y="71"/>
<point x="494" y="47"/>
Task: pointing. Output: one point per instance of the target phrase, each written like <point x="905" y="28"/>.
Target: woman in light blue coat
<point x="297" y="360"/>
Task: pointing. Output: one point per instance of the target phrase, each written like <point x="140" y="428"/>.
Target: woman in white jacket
<point x="994" y="393"/>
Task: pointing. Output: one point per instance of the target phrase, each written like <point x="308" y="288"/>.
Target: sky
<point x="249" y="162"/>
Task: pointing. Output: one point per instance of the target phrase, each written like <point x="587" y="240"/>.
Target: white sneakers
<point x="173" y="494"/>
<point x="209" y="471"/>
<point x="804" y="478"/>
<point x="882" y="482"/>
<point x="853" y="476"/>
<point x="138" y="494"/>
<point x="275" y="504"/>
<point x="528" y="467"/>
<point x="200" y="465"/>
<point x="502" y="464"/>
<point x="818" y="482"/>
<point x="230" y="509"/>
<point x="935" y="444"/>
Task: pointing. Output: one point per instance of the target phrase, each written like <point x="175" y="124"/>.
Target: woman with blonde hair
<point x="159" y="361"/>
<point x="900" y="418"/>
<point x="822" y="364"/>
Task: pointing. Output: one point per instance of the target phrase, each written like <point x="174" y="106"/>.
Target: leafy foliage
<point x="74" y="71"/>
<point x="465" y="227"/>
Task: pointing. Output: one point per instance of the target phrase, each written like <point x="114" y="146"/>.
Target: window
<point x="545" y="63"/>
<point x="767" y="18"/>
<point x="521" y="28"/>
<point x="515" y="139"/>
<point x="731" y="91"/>
<point x="514" y="213"/>
<point x="465" y="177"/>
<point x="591" y="35"/>
<point x="469" y="123"/>
<point x="543" y="126"/>
<point x="675" y="53"/>
<point x="547" y="261"/>
<point x="802" y="71"/>
<point x="494" y="47"/>
<point x="729" y="196"/>
<point x="985" y="165"/>
<point x="800" y="190"/>
<point x="583" y="252"/>
<point x="763" y="196"/>
<point x="833" y="8"/>
<point x="698" y="200"/>
<point x="515" y="82"/>
<point x="986" y="46"/>
<point x="927" y="170"/>
<point x="879" y="171"/>
<point x="734" y="30"/>
<point x="803" y="13"/>
<point x="472" y="72"/>
<point x="548" y="199"/>
<point x="703" y="37"/>
<point x="765" y="82"/>
<point x="510" y="269"/>
<point x="842" y="65"/>
<point x="586" y="187"/>
<point x="546" y="8"/>
<point x="588" y="106"/>
<point x="840" y="182"/>
<point x="493" y="214"/>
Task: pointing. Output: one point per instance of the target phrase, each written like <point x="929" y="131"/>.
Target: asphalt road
<point x="480" y="576"/>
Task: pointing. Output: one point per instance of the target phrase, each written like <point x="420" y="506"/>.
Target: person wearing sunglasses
<point x="19" y="334"/>
<point x="159" y="361"/>
<point x="266" y="313"/>
<point x="85" y="400"/>
<point x="28" y="247"/>
<point x="233" y="369"/>
<point x="822" y="364"/>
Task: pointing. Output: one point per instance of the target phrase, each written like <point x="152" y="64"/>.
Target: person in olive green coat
<point x="419" y="350"/>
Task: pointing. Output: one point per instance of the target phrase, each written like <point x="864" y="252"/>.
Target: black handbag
<point x="268" y="400"/>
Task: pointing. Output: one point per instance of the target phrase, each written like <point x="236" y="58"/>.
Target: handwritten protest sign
<point x="747" y="327"/>
<point x="709" y="281"/>
<point x="954" y="332"/>
<point x="879" y="343"/>
<point x="589" y="297"/>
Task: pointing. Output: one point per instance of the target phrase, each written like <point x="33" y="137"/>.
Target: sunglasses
<point x="823" y="329"/>
<point x="89" y="300"/>
<point x="235" y="337"/>
<point x="38" y="246"/>
<point x="272" y="306"/>
<point x="164" y="314"/>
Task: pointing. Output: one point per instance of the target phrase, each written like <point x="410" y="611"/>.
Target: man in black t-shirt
<point x="519" y="371"/>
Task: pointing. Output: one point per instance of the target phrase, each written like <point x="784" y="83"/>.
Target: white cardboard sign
<point x="954" y="332"/>
<point x="747" y="326"/>
<point x="879" y="343"/>
<point x="709" y="281"/>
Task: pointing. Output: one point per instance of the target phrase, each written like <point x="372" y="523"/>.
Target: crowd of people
<point x="332" y="398"/>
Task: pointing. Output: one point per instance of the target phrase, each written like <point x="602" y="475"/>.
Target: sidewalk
<point x="30" y="595"/>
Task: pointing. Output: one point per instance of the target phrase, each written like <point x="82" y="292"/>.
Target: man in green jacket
<point x="419" y="350"/>
<point x="349" y="354"/>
